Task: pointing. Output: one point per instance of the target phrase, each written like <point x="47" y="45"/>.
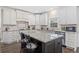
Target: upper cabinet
<point x="22" y="14"/>
<point x="43" y="19"/>
<point x="61" y="14"/>
<point x="13" y="17"/>
<point x="67" y="15"/>
<point x="9" y="16"/>
<point x="19" y="14"/>
<point x="37" y="18"/>
<point x="25" y="16"/>
<point x="71" y="15"/>
<point x="31" y="19"/>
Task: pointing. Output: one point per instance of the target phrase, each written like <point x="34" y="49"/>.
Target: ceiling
<point x="35" y="9"/>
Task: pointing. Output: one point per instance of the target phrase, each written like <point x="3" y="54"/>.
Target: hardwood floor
<point x="11" y="48"/>
<point x="16" y="48"/>
<point x="68" y="50"/>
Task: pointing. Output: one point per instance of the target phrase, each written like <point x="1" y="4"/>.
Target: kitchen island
<point x="48" y="42"/>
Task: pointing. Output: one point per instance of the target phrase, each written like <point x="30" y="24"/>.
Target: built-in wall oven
<point x="71" y="29"/>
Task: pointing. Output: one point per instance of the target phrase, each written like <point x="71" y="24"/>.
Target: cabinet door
<point x="62" y="16"/>
<point x="58" y="45"/>
<point x="13" y="17"/>
<point x="10" y="37"/>
<point x="9" y="16"/>
<point x="43" y="19"/>
<point x="37" y="18"/>
<point x="31" y="19"/>
<point x="6" y="37"/>
<point x="71" y="39"/>
<point x="25" y="15"/>
<point x="67" y="15"/>
<point x="71" y="15"/>
<point x="19" y="14"/>
<point x="6" y="16"/>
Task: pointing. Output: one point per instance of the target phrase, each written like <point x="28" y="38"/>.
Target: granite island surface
<point x="43" y="36"/>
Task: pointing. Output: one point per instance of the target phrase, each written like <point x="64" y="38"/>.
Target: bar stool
<point x="26" y="43"/>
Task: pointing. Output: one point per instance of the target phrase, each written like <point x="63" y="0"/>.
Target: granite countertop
<point x="42" y="35"/>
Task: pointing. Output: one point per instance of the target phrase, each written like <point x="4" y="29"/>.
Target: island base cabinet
<point x="54" y="46"/>
<point x="58" y="46"/>
<point x="48" y="47"/>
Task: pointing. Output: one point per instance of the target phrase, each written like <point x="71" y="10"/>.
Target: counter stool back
<point x="26" y="43"/>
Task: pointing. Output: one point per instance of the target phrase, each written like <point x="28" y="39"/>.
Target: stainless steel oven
<point x="71" y="29"/>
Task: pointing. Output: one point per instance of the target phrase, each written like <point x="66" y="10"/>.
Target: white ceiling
<point x="35" y="9"/>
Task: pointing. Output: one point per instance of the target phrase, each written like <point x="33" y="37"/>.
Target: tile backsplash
<point x="9" y="28"/>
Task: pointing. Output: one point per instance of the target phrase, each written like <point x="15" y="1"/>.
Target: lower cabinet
<point x="71" y="39"/>
<point x="10" y="37"/>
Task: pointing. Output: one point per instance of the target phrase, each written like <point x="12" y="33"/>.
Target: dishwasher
<point x="63" y="40"/>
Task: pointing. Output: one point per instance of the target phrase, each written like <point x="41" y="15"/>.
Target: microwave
<point x="71" y="29"/>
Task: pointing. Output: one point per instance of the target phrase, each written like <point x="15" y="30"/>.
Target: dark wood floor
<point x="16" y="48"/>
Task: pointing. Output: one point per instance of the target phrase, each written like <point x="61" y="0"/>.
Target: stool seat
<point x="31" y="46"/>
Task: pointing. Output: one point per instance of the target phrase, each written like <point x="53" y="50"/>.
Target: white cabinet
<point x="10" y="37"/>
<point x="71" y="15"/>
<point x="9" y="16"/>
<point x="43" y="19"/>
<point x="19" y="14"/>
<point x="71" y="39"/>
<point x="67" y="15"/>
<point x="37" y="18"/>
<point x="13" y="17"/>
<point x="31" y="19"/>
<point x="25" y="16"/>
<point x="6" y="16"/>
<point x="22" y="15"/>
<point x="61" y="14"/>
